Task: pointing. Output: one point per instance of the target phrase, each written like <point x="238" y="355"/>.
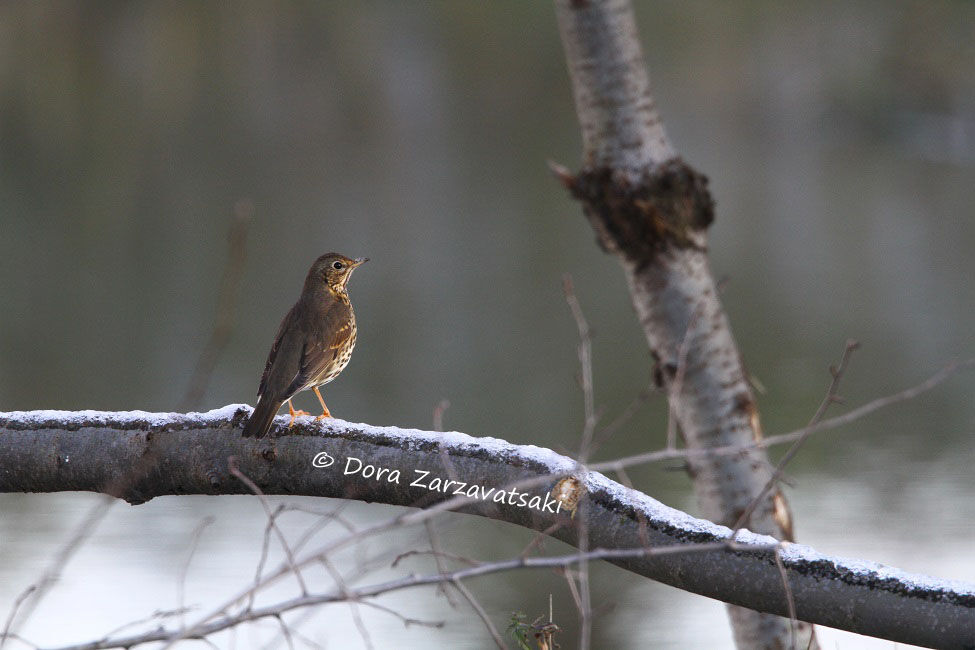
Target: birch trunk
<point x="651" y="210"/>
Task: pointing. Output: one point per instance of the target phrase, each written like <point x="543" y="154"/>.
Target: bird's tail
<point x="260" y="420"/>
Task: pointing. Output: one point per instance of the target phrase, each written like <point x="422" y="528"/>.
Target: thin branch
<point x="338" y="595"/>
<point x="831" y="397"/>
<point x="625" y="416"/>
<point x="285" y="632"/>
<point x="352" y="600"/>
<point x="404" y="619"/>
<point x="438" y="558"/>
<point x="789" y="598"/>
<point x="641" y="520"/>
<point x="223" y="325"/>
<point x="570" y="581"/>
<point x="185" y="567"/>
<point x="438" y="413"/>
<point x="8" y="625"/>
<point x="20" y="639"/>
<point x="680" y="374"/>
<point x="588" y="429"/>
<point x="585" y="598"/>
<point x="538" y="539"/>
<point x="262" y="561"/>
<point x="324" y="519"/>
<point x="451" y="556"/>
<point x="585" y="363"/>
<point x="784" y="438"/>
<point x="288" y="553"/>
<point x="31" y="597"/>
<point x="158" y="615"/>
<point x="493" y="631"/>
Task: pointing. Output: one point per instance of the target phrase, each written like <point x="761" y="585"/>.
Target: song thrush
<point x="313" y="345"/>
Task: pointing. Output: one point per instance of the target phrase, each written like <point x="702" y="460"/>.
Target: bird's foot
<point x="294" y="413"/>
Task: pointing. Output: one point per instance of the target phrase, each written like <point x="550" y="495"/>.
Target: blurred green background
<point x="840" y="143"/>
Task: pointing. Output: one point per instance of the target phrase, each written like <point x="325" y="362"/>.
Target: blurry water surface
<point x="840" y="144"/>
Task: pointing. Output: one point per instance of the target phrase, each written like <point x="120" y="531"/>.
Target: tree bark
<point x="651" y="210"/>
<point x="138" y="456"/>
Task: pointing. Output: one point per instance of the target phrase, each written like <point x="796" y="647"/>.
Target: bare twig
<point x="32" y="595"/>
<point x="789" y="599"/>
<point x="438" y="412"/>
<point x="589" y="401"/>
<point x="539" y="538"/>
<point x="157" y="616"/>
<point x="438" y="558"/>
<point x="831" y="396"/>
<point x="585" y="600"/>
<point x="285" y="632"/>
<point x="204" y="628"/>
<point x="352" y="600"/>
<point x="20" y="639"/>
<point x="323" y="521"/>
<point x="585" y="362"/>
<point x="265" y="552"/>
<point x="407" y="582"/>
<point x="232" y="467"/>
<point x="325" y="517"/>
<point x="624" y="417"/>
<point x="680" y="373"/>
<point x="223" y="325"/>
<point x="493" y="631"/>
<point x="185" y="567"/>
<point x="406" y="621"/>
<point x="457" y="558"/>
<point x="641" y="519"/>
<point x="822" y="425"/>
<point x="8" y="625"/>
<point x="570" y="580"/>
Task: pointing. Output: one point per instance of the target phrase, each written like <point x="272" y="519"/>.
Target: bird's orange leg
<point x="325" y="413"/>
<point x="294" y="413"/>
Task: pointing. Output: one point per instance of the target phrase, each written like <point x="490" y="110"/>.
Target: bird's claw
<point x="295" y="414"/>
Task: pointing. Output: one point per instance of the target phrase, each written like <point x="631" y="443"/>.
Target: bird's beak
<point x="359" y="261"/>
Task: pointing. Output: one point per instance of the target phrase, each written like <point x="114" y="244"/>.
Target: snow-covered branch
<point x="139" y="455"/>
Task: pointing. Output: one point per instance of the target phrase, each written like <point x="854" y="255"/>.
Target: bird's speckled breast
<point x="341" y="357"/>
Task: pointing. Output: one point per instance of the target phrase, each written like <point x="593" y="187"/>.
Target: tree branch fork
<point x="138" y="456"/>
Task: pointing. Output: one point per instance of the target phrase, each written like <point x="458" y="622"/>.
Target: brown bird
<point x="313" y="345"/>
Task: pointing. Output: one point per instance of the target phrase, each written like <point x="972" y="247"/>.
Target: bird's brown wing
<point x="272" y="355"/>
<point x="318" y="356"/>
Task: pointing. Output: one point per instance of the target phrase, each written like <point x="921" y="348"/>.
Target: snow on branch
<point x="137" y="455"/>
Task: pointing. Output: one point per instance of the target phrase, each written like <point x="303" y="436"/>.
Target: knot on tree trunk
<point x="667" y="206"/>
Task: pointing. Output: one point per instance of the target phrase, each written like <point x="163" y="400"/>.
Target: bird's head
<point x="334" y="269"/>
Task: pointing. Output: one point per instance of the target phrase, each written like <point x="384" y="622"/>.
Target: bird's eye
<point x="337" y="266"/>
